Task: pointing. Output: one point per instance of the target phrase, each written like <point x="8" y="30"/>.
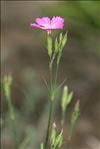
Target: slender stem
<point x="12" y="117"/>
<point x="68" y="145"/>
<point x="56" y="77"/>
<point x="49" y="123"/>
<point x="51" y="81"/>
<point x="15" y="133"/>
<point x="51" y="105"/>
<point x="52" y="95"/>
<point x="62" y="119"/>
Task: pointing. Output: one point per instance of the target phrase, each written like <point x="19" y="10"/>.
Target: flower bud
<point x="53" y="135"/>
<point x="66" y="98"/>
<point x="7" y="84"/>
<point x="42" y="146"/>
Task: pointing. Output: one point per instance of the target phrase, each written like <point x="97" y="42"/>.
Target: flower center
<point x="48" y="25"/>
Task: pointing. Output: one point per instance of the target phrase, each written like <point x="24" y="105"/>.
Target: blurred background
<point x="24" y="55"/>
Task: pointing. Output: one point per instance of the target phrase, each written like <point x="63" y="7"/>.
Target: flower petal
<point x="36" y="26"/>
<point x="57" y="23"/>
<point x="43" y="21"/>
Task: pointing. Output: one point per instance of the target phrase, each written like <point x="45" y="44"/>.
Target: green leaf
<point x="75" y="112"/>
<point x="49" y="46"/>
<point x="56" y="45"/>
<point x="70" y="95"/>
<point x="60" y="41"/>
<point x="59" y="57"/>
<point x="64" y="40"/>
<point x="60" y="142"/>
<point x="60" y="38"/>
<point x="25" y="142"/>
<point x="59" y="139"/>
<point x="74" y="118"/>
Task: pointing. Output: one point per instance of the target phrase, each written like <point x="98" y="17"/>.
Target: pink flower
<point x="48" y="24"/>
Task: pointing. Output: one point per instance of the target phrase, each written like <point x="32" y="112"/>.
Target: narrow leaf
<point x="74" y="118"/>
<point x="64" y="40"/>
<point x="49" y="46"/>
<point x="56" y="45"/>
<point x="59" y="139"/>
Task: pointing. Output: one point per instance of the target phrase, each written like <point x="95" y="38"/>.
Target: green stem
<point x="57" y="68"/>
<point x="49" y="123"/>
<point x="56" y="77"/>
<point x="12" y="117"/>
<point x="62" y="119"/>
<point x="15" y="134"/>
<point x="52" y="94"/>
<point x="51" y="81"/>
<point x="51" y="105"/>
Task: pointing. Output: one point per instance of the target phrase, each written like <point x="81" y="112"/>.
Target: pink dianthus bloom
<point x="48" y="24"/>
